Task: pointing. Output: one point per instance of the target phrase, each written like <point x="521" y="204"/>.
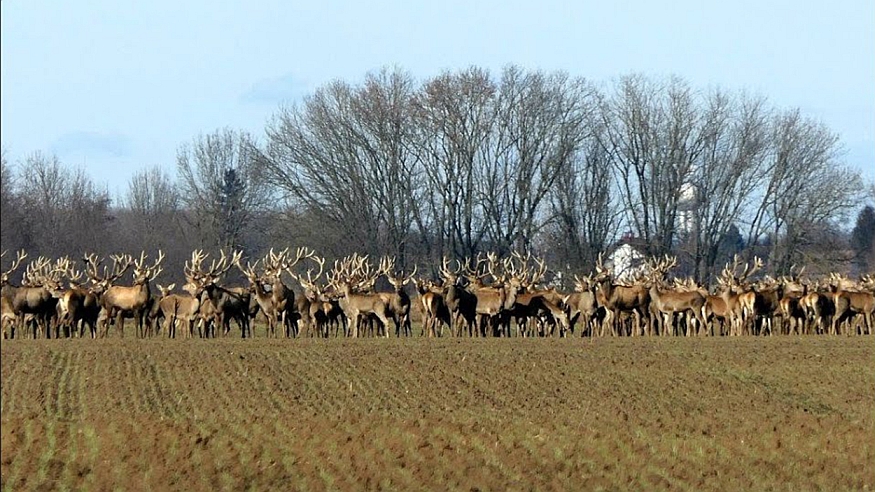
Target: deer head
<point x="102" y="281"/>
<point x="312" y="290"/>
<point x="145" y="273"/>
<point x="200" y="279"/>
<point x="396" y="278"/>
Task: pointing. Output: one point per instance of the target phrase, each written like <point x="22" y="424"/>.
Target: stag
<point x="278" y="303"/>
<point x="851" y="303"/>
<point x="398" y="301"/>
<point x="792" y="289"/>
<point x="621" y="299"/>
<point x="738" y="298"/>
<point x="537" y="304"/>
<point x="461" y="303"/>
<point x="818" y="306"/>
<point x="225" y="303"/>
<point x="283" y="297"/>
<point x="494" y="301"/>
<point x="433" y="307"/>
<point x="33" y="302"/>
<point x="582" y="305"/>
<point x="79" y="305"/>
<point x="136" y="299"/>
<point x="670" y="302"/>
<point x="8" y="316"/>
<point x="350" y="278"/>
<point x="316" y="310"/>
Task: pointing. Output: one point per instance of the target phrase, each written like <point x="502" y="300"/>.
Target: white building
<point x="626" y="262"/>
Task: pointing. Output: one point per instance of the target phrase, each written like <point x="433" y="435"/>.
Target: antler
<point x="300" y="254"/>
<point x="249" y="271"/>
<point x="73" y="275"/>
<point x="21" y="255"/>
<point x="193" y="270"/>
<point x="748" y="271"/>
<point x="448" y="275"/>
<point x="121" y="264"/>
<point x="311" y="280"/>
<point x="538" y="275"/>
<point x="220" y="267"/>
<point x="37" y="272"/>
<point x="599" y="266"/>
<point x="152" y="271"/>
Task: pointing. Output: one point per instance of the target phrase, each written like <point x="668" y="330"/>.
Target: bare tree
<point x="66" y="212"/>
<point x="654" y="138"/>
<point x="726" y="175"/>
<point x="455" y="114"/>
<point x="151" y="218"/>
<point x="584" y="206"/>
<point x="344" y="156"/>
<point x="152" y="195"/>
<point x="14" y="234"/>
<point x="539" y="129"/>
<point x="222" y="187"/>
<point x="804" y="186"/>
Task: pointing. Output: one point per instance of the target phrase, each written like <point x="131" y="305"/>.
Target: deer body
<point x="619" y="299"/>
<point x="670" y="302"/>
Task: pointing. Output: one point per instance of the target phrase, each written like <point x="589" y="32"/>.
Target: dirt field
<point x="458" y="414"/>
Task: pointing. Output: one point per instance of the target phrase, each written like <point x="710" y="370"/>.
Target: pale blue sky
<point x="118" y="86"/>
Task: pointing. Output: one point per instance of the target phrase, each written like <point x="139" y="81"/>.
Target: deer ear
<point x="170" y="287"/>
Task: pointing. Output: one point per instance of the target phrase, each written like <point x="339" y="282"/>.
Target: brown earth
<point x="450" y="414"/>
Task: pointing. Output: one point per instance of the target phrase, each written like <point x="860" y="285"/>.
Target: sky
<point x="117" y="87"/>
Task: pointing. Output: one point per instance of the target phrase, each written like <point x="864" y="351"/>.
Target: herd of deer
<point x="486" y="296"/>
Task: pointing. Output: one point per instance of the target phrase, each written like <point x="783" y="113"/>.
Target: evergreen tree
<point x="863" y="238"/>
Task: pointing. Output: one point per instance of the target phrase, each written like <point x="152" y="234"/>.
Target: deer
<point x="582" y="305"/>
<point x="350" y="277"/>
<point x="278" y="304"/>
<point x="399" y="300"/>
<point x="99" y="284"/>
<point x="818" y="307"/>
<point x="79" y="305"/>
<point x="32" y="302"/>
<point x="283" y="297"/>
<point x="725" y="305"/>
<point x="259" y="294"/>
<point x="174" y="309"/>
<point x="533" y="304"/>
<point x="850" y="303"/>
<point x="766" y="306"/>
<point x="433" y="307"/>
<point x="317" y="310"/>
<point x="8" y="316"/>
<point x="792" y="289"/>
<point x="135" y="299"/>
<point x="669" y="302"/>
<point x="620" y="299"/>
<point x="494" y="301"/>
<point x="461" y="303"/>
<point x="225" y="303"/>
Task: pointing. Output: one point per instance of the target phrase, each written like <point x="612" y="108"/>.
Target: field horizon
<point x="439" y="414"/>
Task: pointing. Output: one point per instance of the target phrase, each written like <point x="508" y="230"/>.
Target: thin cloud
<point x="274" y="90"/>
<point x="93" y="144"/>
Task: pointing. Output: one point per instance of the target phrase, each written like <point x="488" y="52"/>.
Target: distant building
<point x="626" y="262"/>
<point x="688" y="205"/>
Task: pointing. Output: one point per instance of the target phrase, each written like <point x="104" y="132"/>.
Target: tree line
<point x="469" y="161"/>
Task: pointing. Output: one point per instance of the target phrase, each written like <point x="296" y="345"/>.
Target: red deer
<point x="135" y="299"/>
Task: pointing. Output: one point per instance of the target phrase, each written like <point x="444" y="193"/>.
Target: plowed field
<point x="450" y="414"/>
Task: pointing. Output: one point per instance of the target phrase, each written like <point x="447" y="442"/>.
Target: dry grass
<point x="700" y="414"/>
